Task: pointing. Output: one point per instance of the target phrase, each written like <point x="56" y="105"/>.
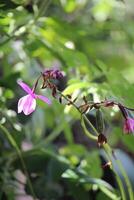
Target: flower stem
<point x="83" y="115"/>
<point x="14" y="144"/>
<point x="88" y="134"/>
<point x="129" y="186"/>
<point x="108" y="151"/>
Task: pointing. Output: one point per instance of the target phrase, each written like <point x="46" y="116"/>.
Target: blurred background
<point x="92" y="41"/>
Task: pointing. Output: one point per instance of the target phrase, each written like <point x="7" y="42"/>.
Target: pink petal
<point x="21" y="103"/>
<point x="43" y="98"/>
<point x="128" y="125"/>
<point x="25" y="87"/>
<point x="27" y="104"/>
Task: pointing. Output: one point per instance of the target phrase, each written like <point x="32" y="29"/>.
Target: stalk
<point x="108" y="151"/>
<point x="14" y="144"/>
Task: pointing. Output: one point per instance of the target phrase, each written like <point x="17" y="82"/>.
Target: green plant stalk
<point x="118" y="179"/>
<point x="43" y="8"/>
<point x="108" y="150"/>
<point x="119" y="182"/>
<point x="14" y="144"/>
<point x="88" y="134"/>
<point x="130" y="190"/>
<point x="129" y="186"/>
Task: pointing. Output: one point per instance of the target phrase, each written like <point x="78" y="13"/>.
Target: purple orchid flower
<point x="27" y="104"/>
<point x="128" y="125"/>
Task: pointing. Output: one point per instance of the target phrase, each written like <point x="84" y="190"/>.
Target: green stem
<point x="87" y="133"/>
<point x="130" y="190"/>
<point x="108" y="150"/>
<point x="120" y="184"/>
<point x="14" y="144"/>
<point x="108" y="153"/>
<point x="43" y="8"/>
<point x="129" y="186"/>
<point x="90" y="124"/>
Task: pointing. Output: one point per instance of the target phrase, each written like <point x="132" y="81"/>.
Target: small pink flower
<point x="128" y="125"/>
<point x="27" y="104"/>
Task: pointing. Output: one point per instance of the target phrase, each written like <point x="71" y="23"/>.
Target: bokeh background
<point x="92" y="41"/>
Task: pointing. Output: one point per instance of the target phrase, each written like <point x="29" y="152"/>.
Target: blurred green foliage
<point x="92" y="42"/>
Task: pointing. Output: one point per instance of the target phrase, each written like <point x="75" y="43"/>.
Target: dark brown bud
<point x="101" y="140"/>
<point x="108" y="164"/>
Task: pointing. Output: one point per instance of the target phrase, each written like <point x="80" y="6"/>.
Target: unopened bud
<point x="101" y="140"/>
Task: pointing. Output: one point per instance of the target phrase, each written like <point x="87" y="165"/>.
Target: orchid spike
<point x="27" y="104"/>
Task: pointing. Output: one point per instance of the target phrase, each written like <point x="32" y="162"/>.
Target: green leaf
<point x="70" y="174"/>
<point x="128" y="141"/>
<point x="91" y="164"/>
<point x="76" y="86"/>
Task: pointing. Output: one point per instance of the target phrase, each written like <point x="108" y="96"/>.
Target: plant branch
<point x="108" y="151"/>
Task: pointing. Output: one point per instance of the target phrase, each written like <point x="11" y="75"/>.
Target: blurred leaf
<point x="70" y="174"/>
<point x="128" y="141"/>
<point x="91" y="164"/>
<point x="102" y="196"/>
<point x="37" y="160"/>
<point x="21" y="1"/>
<point x="8" y="94"/>
<point x="102" y="185"/>
<point x="76" y="86"/>
<point x="9" y="81"/>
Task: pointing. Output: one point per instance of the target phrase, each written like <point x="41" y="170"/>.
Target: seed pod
<point x="99" y="121"/>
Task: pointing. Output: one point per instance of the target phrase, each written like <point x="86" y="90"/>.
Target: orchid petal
<point x="25" y="87"/>
<point x="30" y="105"/>
<point x="128" y="125"/>
<point x="43" y="98"/>
<point x="27" y="104"/>
<point x="21" y="103"/>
